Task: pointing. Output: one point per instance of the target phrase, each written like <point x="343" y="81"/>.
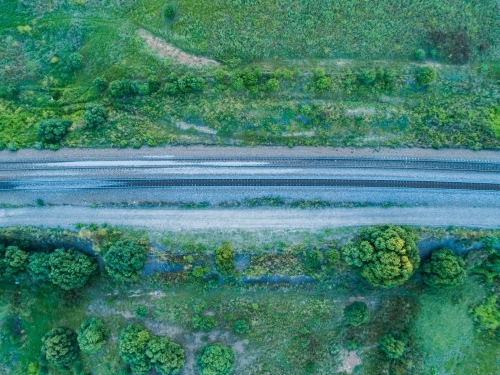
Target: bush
<point x="272" y="85"/>
<point x="189" y="82"/>
<point x="426" y="75"/>
<point x="120" y="88"/>
<point x="133" y="343"/>
<point x="320" y="80"/>
<point x="60" y="347"/>
<point x="53" y="130"/>
<point x="392" y="348"/>
<point x="387" y="255"/>
<point x="444" y="269"/>
<point x="224" y="259"/>
<point x="13" y="146"/>
<point x="154" y="84"/>
<point x="39" y="267"/>
<point x="141" y="311"/>
<point x="332" y="256"/>
<point x="100" y="84"/>
<point x="92" y="335"/>
<point x="124" y="260"/>
<point x="70" y="269"/>
<point x="166" y="356"/>
<point x="199" y="271"/>
<point x="75" y="61"/>
<point x="15" y="260"/>
<point x="204" y="322"/>
<point x="169" y="11"/>
<point x="313" y="259"/>
<point x="215" y="359"/>
<point x="487" y="314"/>
<point x="356" y="313"/>
<point x="367" y="77"/>
<point x="420" y="55"/>
<point x="95" y="115"/>
<point x="241" y="326"/>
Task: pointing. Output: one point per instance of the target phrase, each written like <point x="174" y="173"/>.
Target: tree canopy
<point x="39" y="267"/>
<point x="392" y="347"/>
<point x="426" y="75"/>
<point x="95" y="115"/>
<point x="60" y="347"/>
<point x="356" y="313"/>
<point x="444" y="269"/>
<point x="53" y="130"/>
<point x="224" y="259"/>
<point x="92" y="335"/>
<point x="70" y="269"/>
<point x="166" y="356"/>
<point x="15" y="260"/>
<point x="387" y="255"/>
<point x="124" y="260"/>
<point x="215" y="359"/>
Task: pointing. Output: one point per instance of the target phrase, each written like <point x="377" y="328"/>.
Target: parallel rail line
<point x="83" y="184"/>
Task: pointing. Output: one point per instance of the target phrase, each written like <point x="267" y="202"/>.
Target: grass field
<point x="355" y="42"/>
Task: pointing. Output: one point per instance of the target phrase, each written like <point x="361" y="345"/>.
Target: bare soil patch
<point x="166" y="50"/>
<point x="349" y="361"/>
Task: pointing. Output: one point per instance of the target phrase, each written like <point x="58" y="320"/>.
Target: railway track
<point x="223" y="182"/>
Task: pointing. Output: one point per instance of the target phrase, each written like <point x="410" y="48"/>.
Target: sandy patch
<point x="202" y="129"/>
<point x="166" y="50"/>
<point x="349" y="360"/>
<point x="300" y="134"/>
<point x="359" y="112"/>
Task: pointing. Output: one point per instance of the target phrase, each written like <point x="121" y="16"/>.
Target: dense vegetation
<point x="292" y="304"/>
<point x="339" y="73"/>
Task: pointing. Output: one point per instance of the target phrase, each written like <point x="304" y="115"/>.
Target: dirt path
<point x="166" y="50"/>
<point x="252" y="219"/>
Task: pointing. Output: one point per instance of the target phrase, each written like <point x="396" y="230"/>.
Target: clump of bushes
<point x="487" y="315"/>
<point x="215" y="359"/>
<point x="53" y="130"/>
<point x="249" y="78"/>
<point x="224" y="259"/>
<point x="185" y="84"/>
<point x="357" y="313"/>
<point x="92" y="335"/>
<point x="95" y="115"/>
<point x="204" y="322"/>
<point x="142" y="351"/>
<point x="444" y="269"/>
<point x="386" y="255"/>
<point x="120" y="88"/>
<point x="426" y="75"/>
<point x="124" y="260"/>
<point x="321" y="81"/>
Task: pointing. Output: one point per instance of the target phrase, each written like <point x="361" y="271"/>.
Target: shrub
<point x="133" y="343"/>
<point x="241" y="326"/>
<point x="189" y="82"/>
<point x="92" y="335"/>
<point x="320" y="80"/>
<point x="332" y="256"/>
<point x="120" y="88"/>
<point x="392" y="347"/>
<point x="426" y="75"/>
<point x="198" y="271"/>
<point x="53" y="130"/>
<point x="204" y="322"/>
<point x="272" y="85"/>
<point x="75" y="61"/>
<point x="367" y="77"/>
<point x="124" y="260"/>
<point x="15" y="260"/>
<point x="419" y="55"/>
<point x="356" y="313"/>
<point x="237" y="83"/>
<point x="39" y="267"/>
<point x="215" y="359"/>
<point x="60" y="347"/>
<point x="166" y="356"/>
<point x="487" y="314"/>
<point x="224" y="259"/>
<point x="141" y="311"/>
<point x="100" y="84"/>
<point x="169" y="11"/>
<point x="13" y="146"/>
<point x="444" y="269"/>
<point x="387" y="255"/>
<point x="313" y="259"/>
<point x="154" y="84"/>
<point x="70" y="269"/>
<point x="95" y="115"/>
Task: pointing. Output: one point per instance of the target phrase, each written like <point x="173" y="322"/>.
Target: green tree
<point x="53" y="130"/>
<point x="272" y="85"/>
<point x="15" y="260"/>
<point x="241" y="326"/>
<point x="75" y="61"/>
<point x="60" y="347"/>
<point x="419" y="55"/>
<point x="166" y="356"/>
<point x="39" y="267"/>
<point x="100" y="84"/>
<point x="487" y="314"/>
<point x="426" y="75"/>
<point x="70" y="269"/>
<point x="125" y="260"/>
<point x="387" y="255"/>
<point x="367" y="77"/>
<point x="169" y="11"/>
<point x="189" y="82"/>
<point x="224" y="259"/>
<point x="154" y="84"/>
<point x="215" y="359"/>
<point x="120" y="88"/>
<point x="204" y="322"/>
<point x="92" y="335"/>
<point x="444" y="269"/>
<point x="133" y="344"/>
<point x="356" y="313"/>
<point x="332" y="256"/>
<point x="95" y="115"/>
<point x="392" y="347"/>
<point x="313" y="258"/>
